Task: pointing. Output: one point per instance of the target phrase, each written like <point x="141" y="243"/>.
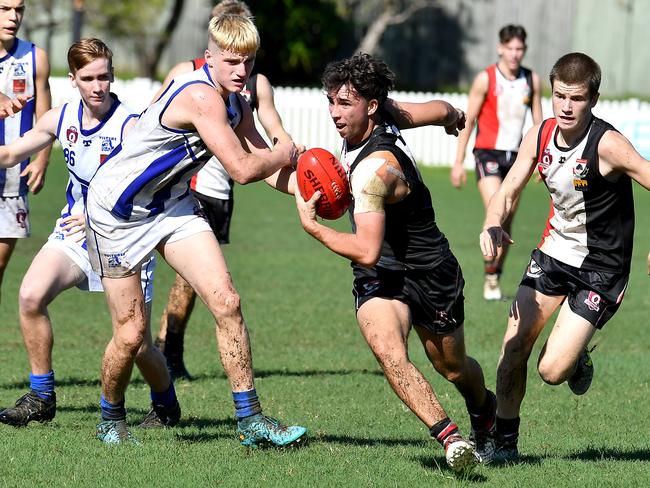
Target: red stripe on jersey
<point x="198" y="63"/>
<point x="545" y="134"/>
<point x="193" y="182"/>
<point x="547" y="229"/>
<point x="488" y="121"/>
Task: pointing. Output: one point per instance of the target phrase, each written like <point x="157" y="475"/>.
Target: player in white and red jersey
<point x="582" y="263"/>
<point x="24" y="73"/>
<point x="499" y="99"/>
<point x="213" y="188"/>
<point x="88" y="130"/>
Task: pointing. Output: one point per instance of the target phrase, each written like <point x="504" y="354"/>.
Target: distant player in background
<point x="498" y="101"/>
<point x="24" y="73"/>
<point x="582" y="263"/>
<point x="213" y="188"/>
<point x="405" y="275"/>
<point x="88" y="130"/>
<point x="139" y="201"/>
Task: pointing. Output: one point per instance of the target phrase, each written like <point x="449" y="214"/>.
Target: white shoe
<point x="491" y="288"/>
<point x="461" y="455"/>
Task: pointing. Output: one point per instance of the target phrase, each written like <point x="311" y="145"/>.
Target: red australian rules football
<point x="319" y="170"/>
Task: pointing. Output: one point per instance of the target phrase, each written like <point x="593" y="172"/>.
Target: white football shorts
<point x="14" y="217"/>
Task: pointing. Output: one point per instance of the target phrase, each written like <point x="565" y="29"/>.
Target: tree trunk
<point x="152" y="60"/>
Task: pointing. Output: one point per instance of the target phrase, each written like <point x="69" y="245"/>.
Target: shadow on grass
<point x="138" y="381"/>
<point x="368" y="442"/>
<point x="605" y="454"/>
<point x="438" y="463"/>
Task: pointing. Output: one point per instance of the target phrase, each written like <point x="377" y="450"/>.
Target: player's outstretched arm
<point x="41" y="136"/>
<point x="35" y="171"/>
<point x="200" y="106"/>
<point x="267" y="113"/>
<point x="408" y="115"/>
<point x="475" y="101"/>
<point x="493" y="236"/>
<point x="617" y="154"/>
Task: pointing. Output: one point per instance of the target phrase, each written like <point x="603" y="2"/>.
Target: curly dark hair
<point x="370" y="77"/>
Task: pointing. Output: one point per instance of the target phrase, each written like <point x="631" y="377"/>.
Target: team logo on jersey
<point x="87" y="142"/>
<point x="21" y="218"/>
<point x="107" y="144"/>
<point x="544" y="162"/>
<point x="72" y="134"/>
<point x="19" y="69"/>
<point x="533" y="270"/>
<point x="580" y="171"/>
<point x="114" y="260"/>
<point x="593" y="301"/>
<point x="492" y="167"/>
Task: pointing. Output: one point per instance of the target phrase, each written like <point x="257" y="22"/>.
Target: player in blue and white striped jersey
<point x="140" y="200"/>
<point x="88" y="130"/>
<point x="24" y="73"/>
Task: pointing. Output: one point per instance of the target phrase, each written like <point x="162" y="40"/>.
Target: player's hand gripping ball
<point x="319" y="170"/>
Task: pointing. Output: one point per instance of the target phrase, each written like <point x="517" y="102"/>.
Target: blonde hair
<point x="87" y="50"/>
<point x="234" y="7"/>
<point x="234" y="33"/>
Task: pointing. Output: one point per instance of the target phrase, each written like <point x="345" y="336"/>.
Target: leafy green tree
<point x="141" y="23"/>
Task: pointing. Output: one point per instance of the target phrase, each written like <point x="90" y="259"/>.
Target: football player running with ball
<point x="582" y="263"/>
<point x="405" y="275"/>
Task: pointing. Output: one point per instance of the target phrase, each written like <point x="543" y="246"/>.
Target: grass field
<point x="314" y="368"/>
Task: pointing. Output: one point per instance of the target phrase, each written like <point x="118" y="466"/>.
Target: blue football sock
<point x="166" y="398"/>
<point x="42" y="384"/>
<point x="246" y="403"/>
<point x="111" y="411"/>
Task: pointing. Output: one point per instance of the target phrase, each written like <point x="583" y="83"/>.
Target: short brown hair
<point x="510" y="32"/>
<point x="87" y="50"/>
<point x="577" y="69"/>
<point x="234" y="7"/>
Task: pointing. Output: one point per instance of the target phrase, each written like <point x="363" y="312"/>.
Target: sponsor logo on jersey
<point x="114" y="260"/>
<point x="19" y="85"/>
<point x="580" y="171"/>
<point x="593" y="301"/>
<point x="533" y="270"/>
<point x="72" y="134"/>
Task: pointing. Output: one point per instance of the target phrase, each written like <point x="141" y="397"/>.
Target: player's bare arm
<point x="617" y="155"/>
<point x="536" y="106"/>
<point x="40" y="136"/>
<point x="179" y="69"/>
<point x="475" y="101"/>
<point x="409" y="115"/>
<point x="200" y="106"/>
<point x="267" y="113"/>
<point x="376" y="181"/>
<point x="35" y="171"/>
<point x="493" y="236"/>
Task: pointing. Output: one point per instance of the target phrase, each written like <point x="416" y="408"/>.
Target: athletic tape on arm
<point x="368" y="188"/>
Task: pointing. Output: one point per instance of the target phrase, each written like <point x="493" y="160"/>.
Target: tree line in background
<point x="299" y="37"/>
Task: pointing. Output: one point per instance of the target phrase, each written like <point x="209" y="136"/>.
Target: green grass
<point x="314" y="368"/>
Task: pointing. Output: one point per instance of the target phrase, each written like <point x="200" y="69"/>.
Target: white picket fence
<point x="305" y="116"/>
